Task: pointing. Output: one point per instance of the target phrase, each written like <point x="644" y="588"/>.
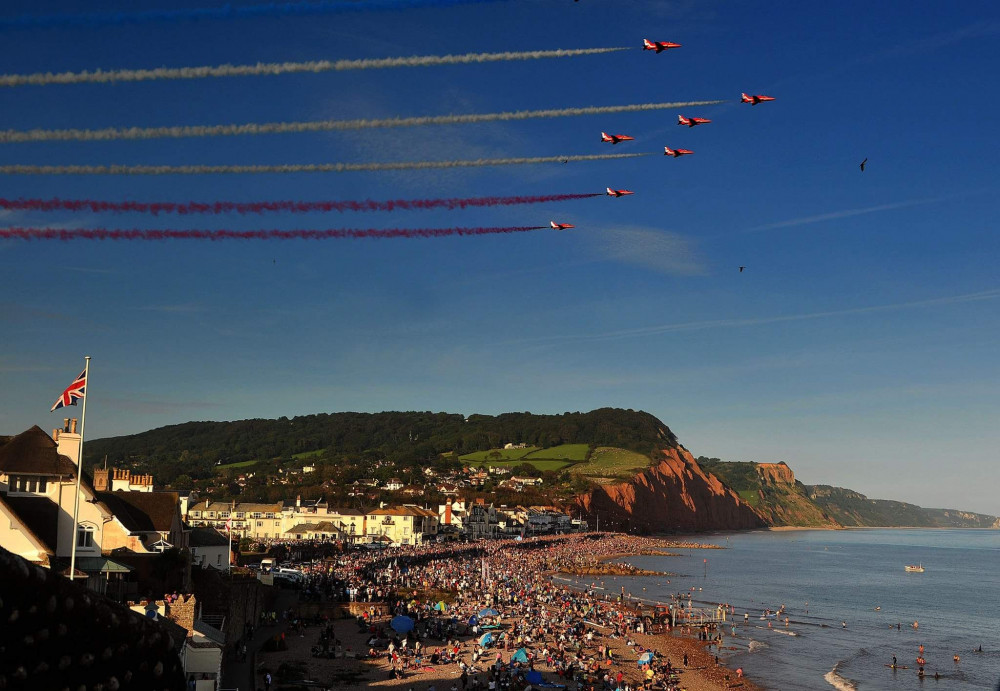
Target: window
<point x="239" y="514"/>
<point x="223" y="514"/>
<point x="218" y="560"/>
<point x="260" y="524"/>
<point x="85" y="536"/>
<point x="26" y="483"/>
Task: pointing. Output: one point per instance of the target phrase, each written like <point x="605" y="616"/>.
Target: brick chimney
<point x="447" y="512"/>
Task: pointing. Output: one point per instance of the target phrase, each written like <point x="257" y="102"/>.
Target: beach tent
<point x="440" y="606"/>
<point x="488" y="612"/>
<point x="520" y="656"/>
<point x="647" y="658"/>
<point x="533" y="677"/>
<point x="486" y="639"/>
<point x="473" y="620"/>
<point x="401" y="624"/>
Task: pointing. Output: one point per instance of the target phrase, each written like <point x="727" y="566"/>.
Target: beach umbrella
<point x="646" y="659"/>
<point x="440" y="606"/>
<point x="520" y="656"/>
<point x="488" y="612"/>
<point x="401" y="624"/>
<point x="486" y="639"/>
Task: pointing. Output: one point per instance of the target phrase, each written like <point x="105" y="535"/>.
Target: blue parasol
<point x="402" y="624"/>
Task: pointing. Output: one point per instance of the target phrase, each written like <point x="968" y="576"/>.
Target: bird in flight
<point x="863" y="165"/>
<point x="741" y="269"/>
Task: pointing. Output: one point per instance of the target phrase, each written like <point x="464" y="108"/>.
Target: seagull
<point x="741" y="269"/>
<point x="863" y="165"/>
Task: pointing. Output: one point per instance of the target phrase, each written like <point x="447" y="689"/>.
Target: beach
<point x="572" y="638"/>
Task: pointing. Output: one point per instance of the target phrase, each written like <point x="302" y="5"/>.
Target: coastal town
<point x="250" y="592"/>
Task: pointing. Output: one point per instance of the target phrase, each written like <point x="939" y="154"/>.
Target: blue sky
<point x="859" y="346"/>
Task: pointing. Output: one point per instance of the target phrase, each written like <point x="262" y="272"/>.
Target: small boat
<point x="910" y="568"/>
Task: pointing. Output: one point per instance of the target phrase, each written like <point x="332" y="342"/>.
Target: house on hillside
<point x="518" y="483"/>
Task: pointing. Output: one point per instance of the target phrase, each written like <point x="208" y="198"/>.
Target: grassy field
<point x="308" y="454"/>
<point x="504" y="454"/>
<point x="563" y="452"/>
<point x="750" y="496"/>
<point x="540" y="463"/>
<point x="231" y="466"/>
<point x="608" y="461"/>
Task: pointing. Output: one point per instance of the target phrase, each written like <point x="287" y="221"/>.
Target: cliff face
<point x="855" y="509"/>
<point x="775" y="474"/>
<point x="672" y="495"/>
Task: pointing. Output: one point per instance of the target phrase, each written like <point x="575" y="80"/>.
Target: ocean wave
<point x="757" y="645"/>
<point x="837" y="681"/>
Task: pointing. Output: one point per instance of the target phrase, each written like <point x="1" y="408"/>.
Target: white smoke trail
<point x="113" y="133"/>
<point x="299" y="168"/>
<point x="275" y="68"/>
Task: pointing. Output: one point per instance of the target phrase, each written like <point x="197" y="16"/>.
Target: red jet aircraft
<point x="560" y="226"/>
<point x="691" y="122"/>
<point x="618" y="193"/>
<point x="658" y="46"/>
<point x="754" y="100"/>
<point x="667" y="151"/>
<point x="615" y="138"/>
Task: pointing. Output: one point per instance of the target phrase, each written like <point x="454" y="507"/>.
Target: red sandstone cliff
<point x="775" y="474"/>
<point x="672" y="495"/>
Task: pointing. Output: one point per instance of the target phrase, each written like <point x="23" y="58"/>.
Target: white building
<point x="209" y="549"/>
<point x="37" y="497"/>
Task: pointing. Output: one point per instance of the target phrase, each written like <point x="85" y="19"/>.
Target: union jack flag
<point x="74" y="391"/>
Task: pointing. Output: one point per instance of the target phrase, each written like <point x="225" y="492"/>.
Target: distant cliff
<point x="855" y="509"/>
<point x="773" y="492"/>
<point x="673" y="494"/>
<point x="781" y="500"/>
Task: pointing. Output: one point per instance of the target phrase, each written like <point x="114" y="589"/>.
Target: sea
<point x="851" y="605"/>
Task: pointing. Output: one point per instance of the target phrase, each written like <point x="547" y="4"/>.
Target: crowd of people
<point x="492" y="613"/>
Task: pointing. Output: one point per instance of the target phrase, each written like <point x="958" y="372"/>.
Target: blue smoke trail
<point x="269" y="9"/>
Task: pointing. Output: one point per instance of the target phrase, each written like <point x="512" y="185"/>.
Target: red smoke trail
<point x="334" y="233"/>
<point x="156" y="208"/>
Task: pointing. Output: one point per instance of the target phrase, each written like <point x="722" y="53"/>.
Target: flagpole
<point x="79" y="472"/>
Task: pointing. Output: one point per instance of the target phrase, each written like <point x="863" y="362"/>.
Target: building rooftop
<point x="39" y="515"/>
<point x="33" y="452"/>
<point x="142" y="511"/>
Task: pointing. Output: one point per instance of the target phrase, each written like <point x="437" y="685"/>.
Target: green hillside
<point x="195" y="448"/>
<point x="611" y="462"/>
<point x="778" y="503"/>
<point x="795" y="504"/>
<point x="856" y="510"/>
<point x="604" y="462"/>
